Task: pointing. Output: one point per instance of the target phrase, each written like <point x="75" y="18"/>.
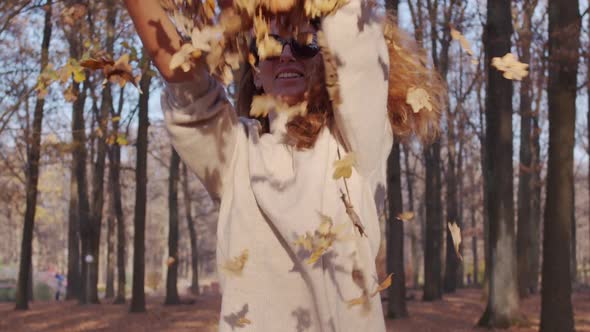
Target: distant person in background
<point x="60" y="280"/>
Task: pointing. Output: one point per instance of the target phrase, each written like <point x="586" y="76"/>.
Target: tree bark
<point x="556" y="287"/>
<point x="73" y="274"/>
<point x="114" y="178"/>
<point x="502" y="306"/>
<point x="97" y="202"/>
<point x="395" y="237"/>
<point x="110" y="278"/>
<point x="32" y="177"/>
<point x="138" y="294"/>
<point x="434" y="222"/>
<point x="192" y="233"/>
<point x="173" y="258"/>
<point x="524" y="235"/>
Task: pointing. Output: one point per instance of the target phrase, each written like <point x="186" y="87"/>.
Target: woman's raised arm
<point x="355" y="37"/>
<point x="160" y="37"/>
<point x="200" y="120"/>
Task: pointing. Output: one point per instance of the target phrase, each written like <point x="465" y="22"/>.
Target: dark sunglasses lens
<point x="305" y="51"/>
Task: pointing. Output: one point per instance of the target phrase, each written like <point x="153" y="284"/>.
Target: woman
<point x="276" y="184"/>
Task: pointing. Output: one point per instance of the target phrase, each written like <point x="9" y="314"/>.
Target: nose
<point x="287" y="54"/>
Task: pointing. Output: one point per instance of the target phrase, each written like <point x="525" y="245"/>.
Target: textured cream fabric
<point x="271" y="193"/>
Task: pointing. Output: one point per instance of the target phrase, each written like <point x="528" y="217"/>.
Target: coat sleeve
<point x="355" y="37"/>
<point x="202" y="125"/>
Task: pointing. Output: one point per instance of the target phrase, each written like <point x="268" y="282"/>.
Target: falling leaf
<point x="170" y="261"/>
<point x="268" y="47"/>
<point x="122" y="140"/>
<point x="120" y="72"/>
<point x="383" y="285"/>
<point x="321" y="240"/>
<point x="456" y="35"/>
<point x="183" y="58"/>
<point x="358" y="278"/>
<point x="236" y="265"/>
<point x="406" y="216"/>
<point x="70" y="95"/>
<point x="418" y="99"/>
<point x="511" y="68"/>
<point x="343" y="166"/>
<point x="456" y="237"/>
<point x="243" y="321"/>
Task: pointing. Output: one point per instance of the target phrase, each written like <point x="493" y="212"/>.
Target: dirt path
<point x="457" y="312"/>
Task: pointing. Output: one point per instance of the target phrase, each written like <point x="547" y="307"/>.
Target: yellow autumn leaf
<point x="383" y="285"/>
<point x="262" y="105"/>
<point x="116" y="119"/>
<point x="268" y="47"/>
<point x="236" y="265"/>
<point x="363" y="299"/>
<point x="343" y="167"/>
<point x="182" y="58"/>
<point x="406" y="216"/>
<point x="321" y="240"/>
<point x="455" y="236"/>
<point x="357" y="301"/>
<point x="511" y="68"/>
<point x="202" y="39"/>
<point x="243" y="321"/>
<point x="122" y="140"/>
<point x="418" y="99"/>
<point x="456" y="35"/>
<point x="170" y="261"/>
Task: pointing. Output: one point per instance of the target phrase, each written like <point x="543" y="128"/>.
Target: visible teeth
<point x="288" y="75"/>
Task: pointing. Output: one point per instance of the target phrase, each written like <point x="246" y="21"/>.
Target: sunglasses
<point x="302" y="51"/>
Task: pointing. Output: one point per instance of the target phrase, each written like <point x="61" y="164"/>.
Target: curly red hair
<point x="407" y="69"/>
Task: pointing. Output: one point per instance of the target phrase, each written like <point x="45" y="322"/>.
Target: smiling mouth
<point x="289" y="75"/>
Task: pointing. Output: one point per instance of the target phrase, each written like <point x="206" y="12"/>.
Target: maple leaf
<point x="456" y="35"/>
<point x="455" y="236"/>
<point x="183" y="58"/>
<point x="418" y="99"/>
<point x="383" y="285"/>
<point x="69" y="95"/>
<point x="321" y="240"/>
<point x="406" y="216"/>
<point x="511" y="68"/>
<point x="170" y="261"/>
<point x="236" y="265"/>
<point x="120" y="72"/>
<point x="268" y="47"/>
<point x="364" y="299"/>
<point x="343" y="167"/>
<point x="243" y="321"/>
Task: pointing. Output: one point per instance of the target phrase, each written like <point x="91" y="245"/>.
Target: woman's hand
<point x="159" y="37"/>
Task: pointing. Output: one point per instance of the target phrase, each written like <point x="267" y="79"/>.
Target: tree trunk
<point x="192" y="233"/>
<point x="73" y="274"/>
<point x="172" y="274"/>
<point x="502" y="306"/>
<point x="114" y="174"/>
<point x="32" y="177"/>
<point x="452" y="260"/>
<point x="97" y="202"/>
<point x="395" y="237"/>
<point x="138" y="294"/>
<point x="414" y="225"/>
<point x="556" y="288"/>
<point x="434" y="222"/>
<point x="110" y="278"/>
<point x="524" y="240"/>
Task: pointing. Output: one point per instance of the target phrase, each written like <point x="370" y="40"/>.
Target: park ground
<point x="456" y="312"/>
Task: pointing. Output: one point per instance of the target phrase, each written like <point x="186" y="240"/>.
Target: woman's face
<point x="288" y="75"/>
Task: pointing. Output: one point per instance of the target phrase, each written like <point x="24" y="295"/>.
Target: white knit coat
<point x="271" y="193"/>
